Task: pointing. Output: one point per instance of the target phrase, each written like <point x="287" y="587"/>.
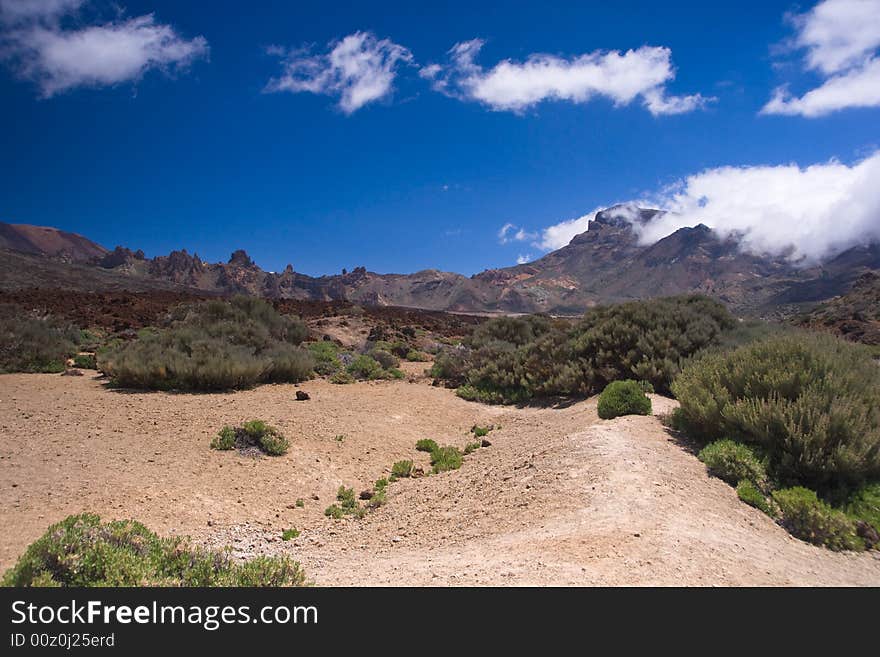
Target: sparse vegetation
<point x="733" y="462"/>
<point x="426" y="445"/>
<point x="515" y="359"/>
<point x="82" y="551"/>
<point x="326" y="356"/>
<point x="31" y="344"/>
<point x="480" y="432"/>
<point x="623" y="398"/>
<point x="255" y="433"/>
<point x="289" y="534"/>
<point x="214" y="345"/>
<point x="401" y="469"/>
<point x="864" y="505"/>
<point x="472" y="447"/>
<point x="346" y="504"/>
<point x="446" y="458"/>
<point x="367" y="368"/>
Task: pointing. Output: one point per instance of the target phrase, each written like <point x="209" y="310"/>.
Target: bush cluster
<point x="514" y="359"/>
<point x="814" y="521"/>
<point x="734" y="462"/>
<point x="213" y="345"/>
<point x="811" y="402"/>
<point x="82" y="551"/>
<point x="375" y="365"/>
<point x="254" y="433"/>
<point x="623" y="398"/>
<point x="34" y="344"/>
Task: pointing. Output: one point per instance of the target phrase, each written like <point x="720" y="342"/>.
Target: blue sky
<point x="213" y="142"/>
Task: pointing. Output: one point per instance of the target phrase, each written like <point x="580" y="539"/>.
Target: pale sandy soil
<point x="560" y="497"/>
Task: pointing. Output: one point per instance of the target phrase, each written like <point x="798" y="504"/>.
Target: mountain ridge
<point x="606" y="263"/>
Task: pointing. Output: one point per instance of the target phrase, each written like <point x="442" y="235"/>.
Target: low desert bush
<point x="807" y="517"/>
<point x="623" y="398"/>
<point x="85" y="361"/>
<point x="326" y="356"/>
<point x="512" y="360"/>
<point x="30" y="344"/>
<point x="415" y="356"/>
<point x="289" y="534"/>
<point x="472" y="447"/>
<point x="480" y="432"/>
<point x="342" y="377"/>
<point x="810" y="402"/>
<point x="386" y="359"/>
<point x="365" y="367"/>
<point x="255" y="433"/>
<point x="864" y="505"/>
<point x="82" y="551"/>
<point x="213" y="345"/>
<point x="733" y="462"/>
<point x="426" y="445"/>
<point x="401" y="469"/>
<point x="346" y="504"/>
<point x="446" y="458"/>
<point x="749" y="493"/>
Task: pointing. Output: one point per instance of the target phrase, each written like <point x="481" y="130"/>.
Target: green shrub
<point x="401" y="469"/>
<point x="225" y="439"/>
<point x="511" y="360"/>
<point x="365" y="367"/>
<point x="82" y="551"/>
<point x="289" y="534"/>
<point x="85" y="361"/>
<point x="749" y="493"/>
<point x="342" y="377"/>
<point x="326" y="356"/>
<point x="811" y="402"/>
<point x="254" y="433"/>
<point x="29" y="344"/>
<point x="647" y="387"/>
<point x="415" y="356"/>
<point x="426" y="445"/>
<point x="479" y="431"/>
<point x="732" y="462"/>
<point x="213" y="345"/>
<point x="472" y="447"/>
<point x="334" y="511"/>
<point x="446" y="458"/>
<point x="864" y="505"/>
<point x="807" y="517"/>
<point x="623" y="398"/>
<point x="386" y="359"/>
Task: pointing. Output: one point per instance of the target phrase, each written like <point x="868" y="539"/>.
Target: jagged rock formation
<point x="606" y="263"/>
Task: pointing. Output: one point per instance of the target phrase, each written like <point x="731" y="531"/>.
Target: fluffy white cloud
<point x="57" y="59"/>
<point x="558" y="235"/>
<point x="359" y="69"/>
<point x="841" y="38"/>
<point x="808" y="213"/>
<point x="523" y="259"/>
<point x="515" y="86"/>
<point x="511" y="233"/>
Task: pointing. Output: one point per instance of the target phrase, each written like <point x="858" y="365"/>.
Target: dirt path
<point x="560" y="497"/>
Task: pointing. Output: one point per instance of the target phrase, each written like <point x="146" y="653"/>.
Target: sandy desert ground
<point x="560" y="497"/>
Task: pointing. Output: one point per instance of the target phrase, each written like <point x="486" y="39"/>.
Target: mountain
<point x="49" y="242"/>
<point x="855" y="315"/>
<point x="605" y="263"/>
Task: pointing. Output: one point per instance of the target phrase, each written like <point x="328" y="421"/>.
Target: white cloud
<point x="558" y="235"/>
<point x="516" y="86"/>
<point x="359" y="69"/>
<point x="58" y="60"/>
<point x="841" y="38"/>
<point x="523" y="259"/>
<point x="512" y="233"/>
<point x="807" y="214"/>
